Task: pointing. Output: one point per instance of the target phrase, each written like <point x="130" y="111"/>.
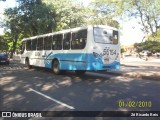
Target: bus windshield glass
<point x="105" y="36"/>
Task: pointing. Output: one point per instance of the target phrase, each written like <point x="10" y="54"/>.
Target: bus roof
<point x="69" y="30"/>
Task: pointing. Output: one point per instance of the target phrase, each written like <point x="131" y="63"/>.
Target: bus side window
<point x="57" y="42"/>
<point x="47" y="42"/>
<point x="34" y="44"/>
<point x="79" y="39"/>
<point x="66" y="41"/>
<point x="40" y="43"/>
<point x="28" y="45"/>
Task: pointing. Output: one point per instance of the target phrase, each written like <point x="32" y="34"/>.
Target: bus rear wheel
<point x="80" y="72"/>
<point x="56" y="67"/>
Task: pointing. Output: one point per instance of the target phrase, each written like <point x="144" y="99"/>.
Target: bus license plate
<point x="106" y="60"/>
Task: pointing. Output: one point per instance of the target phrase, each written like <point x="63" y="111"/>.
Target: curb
<point x="135" y="75"/>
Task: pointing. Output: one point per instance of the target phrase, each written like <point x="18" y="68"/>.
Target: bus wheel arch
<point x="56" y="66"/>
<point x="28" y="63"/>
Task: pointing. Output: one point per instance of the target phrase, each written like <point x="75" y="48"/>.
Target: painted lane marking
<point x="59" y="102"/>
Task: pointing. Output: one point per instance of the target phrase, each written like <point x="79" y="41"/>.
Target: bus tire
<point x="28" y="64"/>
<point x="56" y="67"/>
<point x="80" y="72"/>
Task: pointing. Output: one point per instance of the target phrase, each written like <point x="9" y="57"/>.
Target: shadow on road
<point x="85" y="93"/>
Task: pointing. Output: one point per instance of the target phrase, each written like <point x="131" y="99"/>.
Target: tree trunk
<point x="14" y="45"/>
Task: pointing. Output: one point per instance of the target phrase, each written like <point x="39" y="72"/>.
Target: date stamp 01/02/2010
<point x="134" y="104"/>
<point x="138" y="104"/>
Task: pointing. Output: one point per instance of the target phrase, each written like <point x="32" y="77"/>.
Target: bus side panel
<point x="73" y="61"/>
<point x="68" y="61"/>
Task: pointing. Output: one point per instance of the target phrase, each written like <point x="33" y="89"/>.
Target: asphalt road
<point x="39" y="89"/>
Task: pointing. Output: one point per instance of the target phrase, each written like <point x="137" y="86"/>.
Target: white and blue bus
<point x="95" y="47"/>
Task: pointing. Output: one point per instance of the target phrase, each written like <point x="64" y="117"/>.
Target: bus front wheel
<point x="56" y="67"/>
<point x="80" y="72"/>
<point x="28" y="64"/>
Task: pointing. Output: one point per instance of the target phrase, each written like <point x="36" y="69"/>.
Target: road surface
<point x="38" y="89"/>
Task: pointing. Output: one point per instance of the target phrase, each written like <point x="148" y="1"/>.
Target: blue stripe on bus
<point x="80" y="61"/>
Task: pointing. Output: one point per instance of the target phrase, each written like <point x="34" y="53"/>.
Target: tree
<point x="3" y="44"/>
<point x="147" y="11"/>
<point x="105" y="12"/>
<point x="33" y="17"/>
<point x="30" y="18"/>
<point x="14" y="31"/>
<point x="151" y="46"/>
<point x="123" y="50"/>
<point x="157" y="38"/>
<point x="68" y="13"/>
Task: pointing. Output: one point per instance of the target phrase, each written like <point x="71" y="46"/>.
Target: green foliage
<point x="30" y="18"/>
<point x="3" y="44"/>
<point x="123" y="50"/>
<point x="68" y="13"/>
<point x="156" y="38"/>
<point x="152" y="46"/>
<point x="104" y="12"/>
<point x="111" y="8"/>
<point x="7" y="41"/>
<point x="44" y="16"/>
<point x="35" y="17"/>
<point x="147" y="11"/>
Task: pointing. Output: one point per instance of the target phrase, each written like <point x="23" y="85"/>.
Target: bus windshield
<point x="105" y="36"/>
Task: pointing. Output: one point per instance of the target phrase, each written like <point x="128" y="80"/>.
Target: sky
<point x="3" y="5"/>
<point x="131" y="32"/>
<point x="7" y="3"/>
